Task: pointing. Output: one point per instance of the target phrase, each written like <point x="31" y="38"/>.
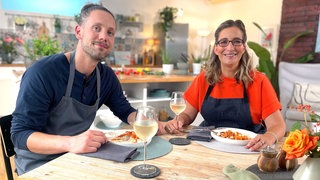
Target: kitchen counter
<point x="154" y="78"/>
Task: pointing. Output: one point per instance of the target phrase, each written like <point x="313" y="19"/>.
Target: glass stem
<point x="144" y="154"/>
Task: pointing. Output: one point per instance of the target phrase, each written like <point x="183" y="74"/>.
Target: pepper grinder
<point x="267" y="160"/>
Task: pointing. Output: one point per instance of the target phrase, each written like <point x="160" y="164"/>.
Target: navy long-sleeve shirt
<point x="44" y="84"/>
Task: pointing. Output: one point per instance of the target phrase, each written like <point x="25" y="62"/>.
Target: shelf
<point x="136" y="100"/>
<point x="138" y="25"/>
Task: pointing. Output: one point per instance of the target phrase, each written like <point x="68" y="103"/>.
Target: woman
<point x="230" y="93"/>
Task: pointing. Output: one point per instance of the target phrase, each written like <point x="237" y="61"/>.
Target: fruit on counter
<point x="138" y="71"/>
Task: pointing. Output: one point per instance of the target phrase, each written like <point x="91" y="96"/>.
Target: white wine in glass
<point x="145" y="126"/>
<point x="177" y="103"/>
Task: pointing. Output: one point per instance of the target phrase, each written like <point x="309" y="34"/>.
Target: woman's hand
<point x="261" y="141"/>
<point x="173" y="126"/>
<point x="161" y="129"/>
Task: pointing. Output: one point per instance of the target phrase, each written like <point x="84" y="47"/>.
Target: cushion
<point x="306" y="93"/>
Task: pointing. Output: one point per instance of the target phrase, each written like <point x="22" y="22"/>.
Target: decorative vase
<point x="284" y="164"/>
<point x="309" y="169"/>
<point x="8" y="58"/>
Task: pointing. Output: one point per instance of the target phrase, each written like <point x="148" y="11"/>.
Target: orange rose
<point x="298" y="143"/>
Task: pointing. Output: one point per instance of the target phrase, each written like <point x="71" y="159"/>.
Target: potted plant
<point x="20" y="22"/>
<point x="266" y="64"/>
<point x="57" y="25"/>
<point x="40" y="47"/>
<point x="8" y="46"/>
<point x="167" y="16"/>
<point x="200" y="60"/>
<point x="167" y="66"/>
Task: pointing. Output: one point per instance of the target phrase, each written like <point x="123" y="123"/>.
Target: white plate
<point x="114" y="133"/>
<point x="232" y="141"/>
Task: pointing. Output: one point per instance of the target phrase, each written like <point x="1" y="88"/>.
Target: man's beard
<point x="94" y="54"/>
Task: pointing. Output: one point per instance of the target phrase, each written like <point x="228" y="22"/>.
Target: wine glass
<point x="177" y="103"/>
<point x="145" y="126"/>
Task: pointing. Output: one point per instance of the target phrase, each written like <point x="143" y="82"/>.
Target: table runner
<point x="278" y="174"/>
<point x="219" y="146"/>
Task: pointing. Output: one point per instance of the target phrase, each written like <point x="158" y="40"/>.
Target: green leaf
<point x="266" y="65"/>
<point x="315" y="117"/>
<point x="260" y="51"/>
<point x="306" y="58"/>
<point x="258" y="26"/>
<point x="295" y="126"/>
<point x="291" y="41"/>
<point x="294" y="38"/>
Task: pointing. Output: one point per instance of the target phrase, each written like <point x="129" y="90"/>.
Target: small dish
<point x="214" y="134"/>
<point x="114" y="133"/>
<point x="109" y="120"/>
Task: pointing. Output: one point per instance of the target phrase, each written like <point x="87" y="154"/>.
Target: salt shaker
<point x="267" y="160"/>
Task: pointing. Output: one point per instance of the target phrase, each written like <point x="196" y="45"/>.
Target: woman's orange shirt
<point x="262" y="97"/>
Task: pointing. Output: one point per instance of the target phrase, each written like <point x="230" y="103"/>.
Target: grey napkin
<point x="114" y="152"/>
<point x="200" y="133"/>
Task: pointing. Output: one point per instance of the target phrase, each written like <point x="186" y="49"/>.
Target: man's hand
<point x="88" y="141"/>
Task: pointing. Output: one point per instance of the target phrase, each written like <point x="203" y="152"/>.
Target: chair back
<point x="6" y="143"/>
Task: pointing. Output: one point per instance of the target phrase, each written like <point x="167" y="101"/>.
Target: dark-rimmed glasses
<point x="225" y="42"/>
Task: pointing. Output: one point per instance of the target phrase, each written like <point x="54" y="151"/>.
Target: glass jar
<point x="267" y="160"/>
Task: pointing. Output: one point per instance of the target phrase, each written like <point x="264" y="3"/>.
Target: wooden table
<point x="192" y="161"/>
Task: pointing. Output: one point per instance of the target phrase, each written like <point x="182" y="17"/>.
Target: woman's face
<point x="230" y="53"/>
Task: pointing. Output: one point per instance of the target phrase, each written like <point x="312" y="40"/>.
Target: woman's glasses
<point x="225" y="42"/>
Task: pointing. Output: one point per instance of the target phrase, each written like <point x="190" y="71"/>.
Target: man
<point x="60" y="94"/>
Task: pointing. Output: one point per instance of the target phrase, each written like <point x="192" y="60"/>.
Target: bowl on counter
<point x="108" y="118"/>
<point x="159" y="93"/>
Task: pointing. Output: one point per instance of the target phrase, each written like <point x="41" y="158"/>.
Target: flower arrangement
<point x="302" y="141"/>
<point x="9" y="42"/>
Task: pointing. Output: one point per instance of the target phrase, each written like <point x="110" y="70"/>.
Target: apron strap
<point x="98" y="81"/>
<point x="71" y="74"/>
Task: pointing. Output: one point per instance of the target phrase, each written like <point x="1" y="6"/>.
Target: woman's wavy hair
<point x="213" y="67"/>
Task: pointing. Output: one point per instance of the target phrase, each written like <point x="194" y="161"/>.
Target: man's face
<point x="96" y="34"/>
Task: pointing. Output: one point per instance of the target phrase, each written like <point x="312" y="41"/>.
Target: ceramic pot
<point x="167" y="68"/>
<point x="196" y="67"/>
<point x="309" y="169"/>
<point x="19" y="27"/>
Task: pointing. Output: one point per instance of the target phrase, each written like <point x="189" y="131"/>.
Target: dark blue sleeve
<point x="36" y="97"/>
<point x="30" y="106"/>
